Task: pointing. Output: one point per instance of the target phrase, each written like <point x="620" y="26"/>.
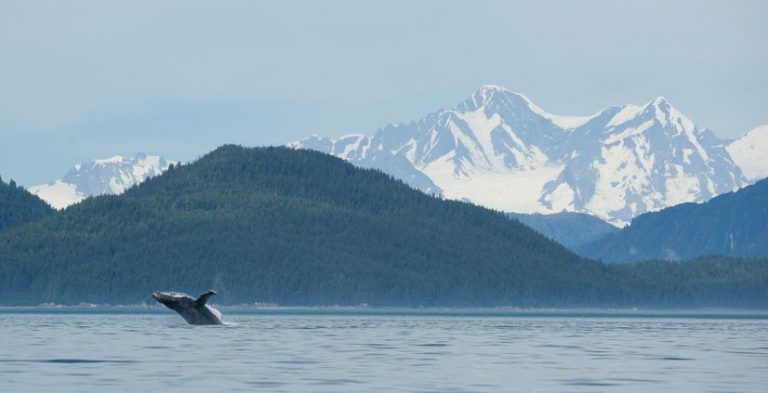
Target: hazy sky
<point x="87" y="79"/>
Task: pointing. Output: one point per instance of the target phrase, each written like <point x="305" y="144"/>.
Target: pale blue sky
<point x="87" y="79"/>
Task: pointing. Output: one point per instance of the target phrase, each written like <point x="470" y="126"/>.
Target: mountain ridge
<point x="19" y="207"/>
<point x="732" y="224"/>
<point x="281" y="226"/>
<point x="499" y="149"/>
<point x="106" y="176"/>
<point x="296" y="227"/>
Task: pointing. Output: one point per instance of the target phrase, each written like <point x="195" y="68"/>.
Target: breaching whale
<point x="194" y="311"/>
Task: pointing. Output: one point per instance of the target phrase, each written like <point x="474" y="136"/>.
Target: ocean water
<point x="340" y="351"/>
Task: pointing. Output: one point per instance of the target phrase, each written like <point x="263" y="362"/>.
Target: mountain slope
<point x="298" y="227"/>
<point x="290" y="227"/>
<point x="500" y="150"/>
<point x="644" y="159"/>
<point x="750" y="152"/>
<point x="19" y="207"/>
<point x="107" y="176"/>
<point x="356" y="147"/>
<point x="733" y="224"/>
<point x="568" y="229"/>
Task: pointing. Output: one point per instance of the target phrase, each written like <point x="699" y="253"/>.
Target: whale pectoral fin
<point x="203" y="298"/>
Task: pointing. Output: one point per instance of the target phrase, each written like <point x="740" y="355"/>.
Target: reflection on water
<point x="326" y="352"/>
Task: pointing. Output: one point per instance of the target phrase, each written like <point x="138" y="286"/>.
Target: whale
<point x="194" y="310"/>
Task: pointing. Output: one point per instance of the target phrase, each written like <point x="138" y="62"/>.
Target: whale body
<point x="194" y="311"/>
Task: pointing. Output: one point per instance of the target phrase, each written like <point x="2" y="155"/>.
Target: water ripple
<point x="391" y="353"/>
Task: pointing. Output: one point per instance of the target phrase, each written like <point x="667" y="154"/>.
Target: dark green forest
<point x="297" y="227"/>
<point x="18" y="206"/>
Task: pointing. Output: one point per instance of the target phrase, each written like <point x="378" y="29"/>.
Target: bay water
<point x="339" y="350"/>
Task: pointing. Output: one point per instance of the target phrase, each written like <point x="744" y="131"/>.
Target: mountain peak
<point x="492" y="96"/>
<point x="660" y="101"/>
<point x="491" y="87"/>
<point x="666" y="114"/>
<point x="662" y="105"/>
<point x="111" y="175"/>
<point x="499" y="149"/>
<point x="660" y="109"/>
<point x="110" y="160"/>
<point x="499" y="91"/>
<point x="495" y="98"/>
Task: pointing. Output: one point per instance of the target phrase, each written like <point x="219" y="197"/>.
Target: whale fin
<point x="203" y="298"/>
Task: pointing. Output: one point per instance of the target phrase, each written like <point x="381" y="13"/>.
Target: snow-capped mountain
<point x="500" y="150"/>
<point x="638" y="159"/>
<point x="107" y="176"/>
<point x="750" y="152"/>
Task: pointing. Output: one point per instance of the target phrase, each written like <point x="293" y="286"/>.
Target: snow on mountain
<point x="356" y="148"/>
<point x="750" y="152"/>
<point x="112" y="175"/>
<point x="631" y="160"/>
<point x="499" y="149"/>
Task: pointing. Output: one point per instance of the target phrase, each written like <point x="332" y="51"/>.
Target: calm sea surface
<point x="332" y="351"/>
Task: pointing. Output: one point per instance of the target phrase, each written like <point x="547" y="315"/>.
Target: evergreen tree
<point x="19" y="207"/>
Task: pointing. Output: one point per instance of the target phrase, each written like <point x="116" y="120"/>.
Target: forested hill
<point x="298" y="227"/>
<point x="286" y="226"/>
<point x="18" y="206"/>
<point x="732" y="224"/>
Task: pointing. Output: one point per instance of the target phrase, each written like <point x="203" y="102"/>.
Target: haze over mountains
<point x="500" y="150"/>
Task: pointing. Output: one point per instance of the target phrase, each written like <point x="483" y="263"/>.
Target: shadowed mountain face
<point x="568" y="229"/>
<point x="500" y="150"/>
<point x="733" y="224"/>
<point x="19" y="207"/>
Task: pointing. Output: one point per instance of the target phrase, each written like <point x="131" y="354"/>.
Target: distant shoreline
<point x="703" y="313"/>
